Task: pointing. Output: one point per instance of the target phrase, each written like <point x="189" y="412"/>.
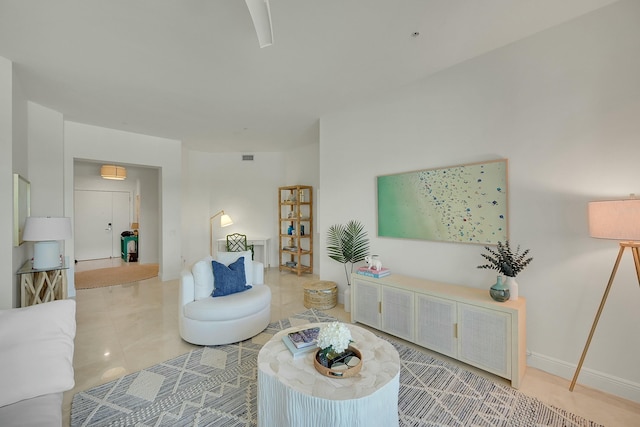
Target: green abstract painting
<point x="466" y="203"/>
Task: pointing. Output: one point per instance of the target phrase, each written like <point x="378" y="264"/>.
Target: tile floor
<point x="122" y="329"/>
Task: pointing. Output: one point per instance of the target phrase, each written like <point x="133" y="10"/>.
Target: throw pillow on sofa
<point x="227" y="258"/>
<point x="203" y="272"/>
<point x="203" y="278"/>
<point x="229" y="279"/>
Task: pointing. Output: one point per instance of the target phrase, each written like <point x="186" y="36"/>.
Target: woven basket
<point x="347" y="373"/>
<point x="322" y="295"/>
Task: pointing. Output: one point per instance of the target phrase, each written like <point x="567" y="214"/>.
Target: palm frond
<point x="347" y="244"/>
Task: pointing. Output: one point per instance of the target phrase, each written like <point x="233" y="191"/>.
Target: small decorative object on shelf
<point x="499" y="291"/>
<point x="336" y="358"/>
<point x="507" y="262"/>
<point x="373" y="262"/>
<point x="365" y="271"/>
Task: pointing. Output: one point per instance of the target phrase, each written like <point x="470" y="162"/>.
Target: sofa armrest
<point x="36" y="349"/>
<point x="258" y="273"/>
<point x="187" y="288"/>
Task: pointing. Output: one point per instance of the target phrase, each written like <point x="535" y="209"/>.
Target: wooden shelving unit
<point x="295" y="225"/>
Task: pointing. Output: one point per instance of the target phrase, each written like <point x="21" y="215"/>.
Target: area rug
<point x="216" y="386"/>
<point x="129" y="273"/>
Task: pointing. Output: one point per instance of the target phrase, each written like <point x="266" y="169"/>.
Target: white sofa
<point x="36" y="350"/>
<point x="207" y="320"/>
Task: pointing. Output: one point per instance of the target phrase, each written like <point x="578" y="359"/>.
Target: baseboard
<point x="588" y="377"/>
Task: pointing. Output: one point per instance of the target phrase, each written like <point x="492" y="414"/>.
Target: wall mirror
<point x="21" y="206"/>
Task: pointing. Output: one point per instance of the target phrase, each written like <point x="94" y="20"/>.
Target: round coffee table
<point x="292" y="393"/>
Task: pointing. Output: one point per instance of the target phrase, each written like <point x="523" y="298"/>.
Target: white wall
<point x="21" y="167"/>
<point x="246" y="190"/>
<point x="7" y="280"/>
<point x="46" y="161"/>
<point x="563" y="107"/>
<point x="303" y="167"/>
<point x="101" y="144"/>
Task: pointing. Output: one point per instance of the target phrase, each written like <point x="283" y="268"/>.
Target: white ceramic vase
<point x="347" y="299"/>
<point x="513" y="288"/>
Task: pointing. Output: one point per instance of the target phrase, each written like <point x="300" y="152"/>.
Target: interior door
<point x="120" y="219"/>
<point x="100" y="217"/>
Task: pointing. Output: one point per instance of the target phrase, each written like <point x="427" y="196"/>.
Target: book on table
<point x="297" y="352"/>
<point x="373" y="273"/>
<point x="305" y="337"/>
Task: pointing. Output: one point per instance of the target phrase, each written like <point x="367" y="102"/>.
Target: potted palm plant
<point x="347" y="244"/>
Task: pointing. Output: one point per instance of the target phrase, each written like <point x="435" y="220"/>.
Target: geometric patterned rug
<point x="216" y="386"/>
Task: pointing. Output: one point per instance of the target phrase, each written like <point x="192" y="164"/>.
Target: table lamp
<point x="46" y="232"/>
<point x="225" y="221"/>
<point x="615" y="220"/>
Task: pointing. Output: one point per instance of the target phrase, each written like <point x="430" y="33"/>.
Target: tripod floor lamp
<point x="616" y="220"/>
<point x="225" y="221"/>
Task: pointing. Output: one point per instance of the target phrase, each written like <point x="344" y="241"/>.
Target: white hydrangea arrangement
<point x="334" y="337"/>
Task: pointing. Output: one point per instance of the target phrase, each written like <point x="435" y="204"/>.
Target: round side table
<point x="322" y="295"/>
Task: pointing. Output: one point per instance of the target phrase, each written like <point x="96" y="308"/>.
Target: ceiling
<point x="192" y="70"/>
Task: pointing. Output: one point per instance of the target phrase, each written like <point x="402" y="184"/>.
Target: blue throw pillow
<point x="229" y="280"/>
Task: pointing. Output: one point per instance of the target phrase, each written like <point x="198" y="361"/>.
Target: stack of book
<point x="302" y="342"/>
<point x="374" y="273"/>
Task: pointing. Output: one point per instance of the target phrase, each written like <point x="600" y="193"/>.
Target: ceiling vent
<point x="247" y="157"/>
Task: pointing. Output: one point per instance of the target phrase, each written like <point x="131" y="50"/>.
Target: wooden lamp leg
<point x="636" y="259"/>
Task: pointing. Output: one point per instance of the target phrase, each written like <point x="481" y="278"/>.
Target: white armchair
<point x="207" y="320"/>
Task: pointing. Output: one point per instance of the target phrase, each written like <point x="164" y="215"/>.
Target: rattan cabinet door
<point x="484" y="339"/>
<point x="436" y="324"/>
<point x="366" y="303"/>
<point x="397" y="312"/>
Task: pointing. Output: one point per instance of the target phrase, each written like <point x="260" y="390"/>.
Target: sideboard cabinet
<point x="460" y="322"/>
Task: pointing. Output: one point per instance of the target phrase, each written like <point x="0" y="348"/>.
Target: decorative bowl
<point x="344" y="365"/>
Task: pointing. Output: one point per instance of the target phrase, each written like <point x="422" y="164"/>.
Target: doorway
<point x="100" y="217"/>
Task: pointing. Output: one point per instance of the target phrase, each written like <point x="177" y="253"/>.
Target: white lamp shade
<point x="37" y="229"/>
<point x="615" y="219"/>
<point x="225" y="220"/>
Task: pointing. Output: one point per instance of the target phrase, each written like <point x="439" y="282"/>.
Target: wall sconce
<point x="46" y="232"/>
<point x="225" y="221"/>
<point x="113" y="172"/>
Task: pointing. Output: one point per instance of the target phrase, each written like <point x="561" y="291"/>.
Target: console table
<point x="458" y="321"/>
<point x="292" y="393"/>
<point x="263" y="242"/>
<point x="40" y="286"/>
